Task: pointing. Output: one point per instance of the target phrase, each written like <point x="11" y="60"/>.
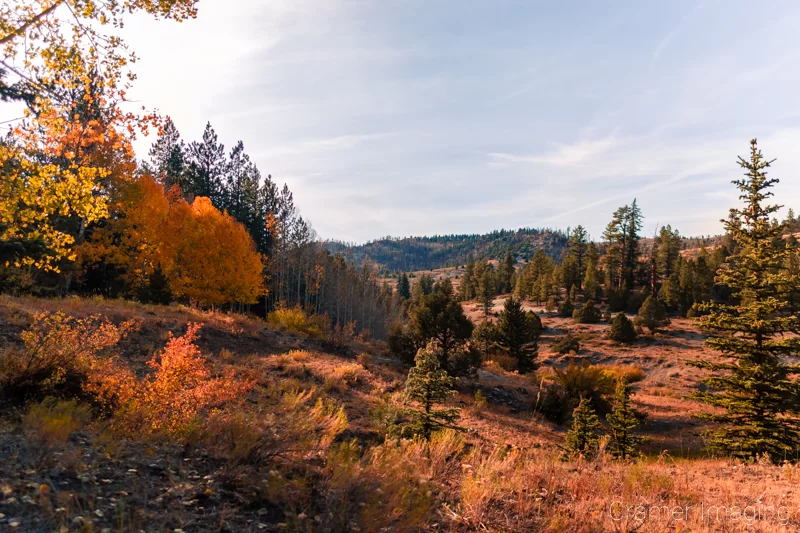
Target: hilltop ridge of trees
<point x="423" y="253"/>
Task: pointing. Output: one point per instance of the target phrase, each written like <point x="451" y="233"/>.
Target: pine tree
<point x="403" y="287"/>
<point x="517" y="333"/>
<point x="588" y="314"/>
<point x="566" y="308"/>
<point x="428" y="385"/>
<point x="622" y="420"/>
<point x="207" y="166"/>
<point x="667" y="251"/>
<point x="757" y="390"/>
<point x="168" y="157"/>
<point x="591" y="288"/>
<point x="485" y="291"/>
<point x="240" y="189"/>
<point x="622" y="329"/>
<point x="507" y="272"/>
<point x="440" y="316"/>
<point x="622" y="235"/>
<point x="573" y="293"/>
<point x="652" y="315"/>
<point x="577" y="248"/>
<point x="467" y="291"/>
<point x="158" y="287"/>
<point x="583" y="437"/>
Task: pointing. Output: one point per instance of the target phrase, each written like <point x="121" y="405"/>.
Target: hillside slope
<point x="308" y="471"/>
<point x="423" y="253"/>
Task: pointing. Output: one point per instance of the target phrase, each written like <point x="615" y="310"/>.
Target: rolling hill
<point x="423" y="253"/>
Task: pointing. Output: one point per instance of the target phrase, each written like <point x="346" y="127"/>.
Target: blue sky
<point x="410" y="117"/>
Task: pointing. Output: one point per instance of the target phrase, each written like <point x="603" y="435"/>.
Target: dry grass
<point x="304" y="449"/>
<point x="51" y="422"/>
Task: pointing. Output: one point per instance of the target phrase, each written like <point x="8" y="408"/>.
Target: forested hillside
<point x="422" y="253"/>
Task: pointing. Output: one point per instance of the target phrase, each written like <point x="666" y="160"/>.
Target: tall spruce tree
<point x="168" y="158"/>
<point x="578" y="245"/>
<point x="440" y="316"/>
<point x="517" y="334"/>
<point x="403" y="287"/>
<point x="756" y="389"/>
<point x="622" y="421"/>
<point x="428" y="385"/>
<point x="485" y="291"/>
<point x="583" y="437"/>
<point x="468" y="281"/>
<point x="207" y="165"/>
<point x="507" y="272"/>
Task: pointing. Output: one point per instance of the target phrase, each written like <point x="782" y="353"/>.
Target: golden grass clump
<point x="295" y="320"/>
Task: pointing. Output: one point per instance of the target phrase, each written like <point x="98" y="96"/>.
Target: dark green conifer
<point x="588" y="314"/>
<point x="622" y="329"/>
<point x="403" y="287"/>
<point x="429" y="386"/>
<point x="622" y="421"/>
<point x="566" y="308"/>
<point x="652" y="315"/>
<point x="517" y="333"/>
<point x="583" y="437"/>
<point x="754" y="386"/>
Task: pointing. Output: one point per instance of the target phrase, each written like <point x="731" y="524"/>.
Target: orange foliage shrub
<point x="65" y="356"/>
<point x="179" y="392"/>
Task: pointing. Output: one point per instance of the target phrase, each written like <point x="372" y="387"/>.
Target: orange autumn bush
<point x="70" y="357"/>
<point x="67" y="357"/>
<point x="179" y="393"/>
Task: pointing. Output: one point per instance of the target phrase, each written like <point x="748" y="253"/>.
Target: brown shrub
<point x="63" y="356"/>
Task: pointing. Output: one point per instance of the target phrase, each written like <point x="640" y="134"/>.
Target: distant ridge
<point x="407" y="254"/>
<point x="425" y="253"/>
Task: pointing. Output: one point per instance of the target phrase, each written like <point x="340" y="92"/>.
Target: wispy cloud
<point x="665" y="42"/>
<point x="408" y="116"/>
<point x="564" y="155"/>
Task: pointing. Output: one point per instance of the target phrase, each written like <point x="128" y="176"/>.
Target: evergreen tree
<point x="517" y="334"/>
<point x="566" y="308"/>
<point x="422" y="287"/>
<point x="756" y="389"/>
<point x="428" y="385"/>
<point x="507" y="272"/>
<point x="440" y="316"/>
<point x="168" y="158"/>
<point x="485" y="291"/>
<point x="591" y="288"/>
<point x="622" y="421"/>
<point x="668" y="249"/>
<point x="622" y="329"/>
<point x="588" y="314"/>
<point x="622" y="254"/>
<point x="573" y="293"/>
<point x="239" y="194"/>
<point x="403" y="287"/>
<point x="578" y="245"/>
<point x="652" y="315"/>
<point x="468" y="281"/>
<point x="207" y="166"/>
<point x="583" y="437"/>
<point x="633" y="227"/>
<point x="592" y="255"/>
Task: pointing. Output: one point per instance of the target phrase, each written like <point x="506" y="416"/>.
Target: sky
<point x="422" y="117"/>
